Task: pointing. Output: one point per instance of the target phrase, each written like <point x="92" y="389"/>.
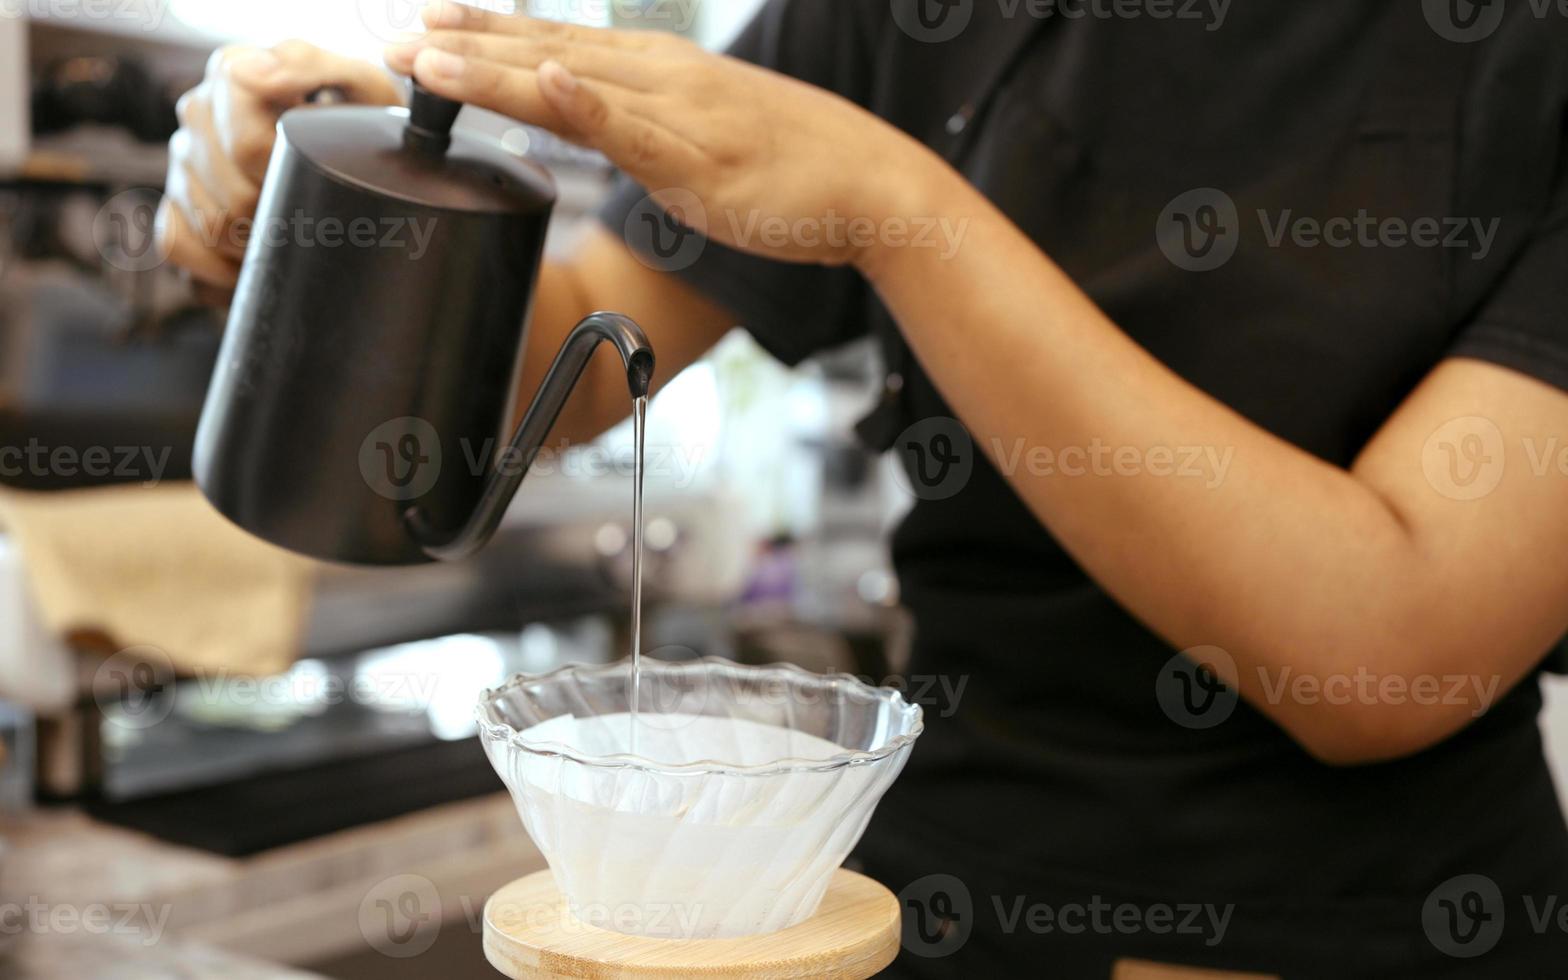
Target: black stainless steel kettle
<point x="375" y="343"/>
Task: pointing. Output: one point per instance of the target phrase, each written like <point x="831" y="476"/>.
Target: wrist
<point x="911" y="204"/>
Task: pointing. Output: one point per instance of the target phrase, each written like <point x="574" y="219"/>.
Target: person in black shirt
<point x="1226" y="342"/>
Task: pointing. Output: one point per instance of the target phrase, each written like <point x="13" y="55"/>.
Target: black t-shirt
<point x="1116" y="143"/>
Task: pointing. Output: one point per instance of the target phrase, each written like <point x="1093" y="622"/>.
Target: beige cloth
<point x="157" y="566"/>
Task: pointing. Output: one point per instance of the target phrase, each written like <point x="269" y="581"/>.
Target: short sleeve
<point x="1523" y="324"/>
<point x="794" y="311"/>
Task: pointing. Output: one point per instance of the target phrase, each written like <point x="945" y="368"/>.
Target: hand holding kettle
<point x="228" y="124"/>
<point x="377" y="334"/>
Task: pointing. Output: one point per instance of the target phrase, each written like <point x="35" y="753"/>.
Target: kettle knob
<point x="430" y="119"/>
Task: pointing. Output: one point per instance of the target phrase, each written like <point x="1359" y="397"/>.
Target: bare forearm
<point x="603" y="275"/>
<point x="1238" y="539"/>
<point x="600" y="400"/>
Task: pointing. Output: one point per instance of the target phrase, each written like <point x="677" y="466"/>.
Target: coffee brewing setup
<point x="352" y="384"/>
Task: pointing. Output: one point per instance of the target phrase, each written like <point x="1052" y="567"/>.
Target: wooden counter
<point x="368" y="888"/>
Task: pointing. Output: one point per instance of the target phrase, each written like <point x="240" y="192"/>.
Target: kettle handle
<point x="564" y="374"/>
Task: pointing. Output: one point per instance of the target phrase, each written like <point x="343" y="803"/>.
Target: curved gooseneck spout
<point x="568" y="368"/>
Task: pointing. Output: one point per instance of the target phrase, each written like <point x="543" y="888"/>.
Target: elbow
<point x="1367" y="735"/>
<point x="1381" y="701"/>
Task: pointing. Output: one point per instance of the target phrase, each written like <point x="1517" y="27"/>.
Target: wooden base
<point x="530" y="934"/>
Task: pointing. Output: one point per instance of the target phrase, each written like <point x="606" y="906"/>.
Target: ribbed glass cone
<point x="724" y="814"/>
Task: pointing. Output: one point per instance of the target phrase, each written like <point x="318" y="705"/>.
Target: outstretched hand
<point x="753" y="159"/>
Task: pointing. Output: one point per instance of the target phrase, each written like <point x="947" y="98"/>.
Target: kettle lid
<point x="413" y="155"/>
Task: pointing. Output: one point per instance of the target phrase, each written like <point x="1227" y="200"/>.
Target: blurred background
<point x="273" y="772"/>
<point x="216" y="766"/>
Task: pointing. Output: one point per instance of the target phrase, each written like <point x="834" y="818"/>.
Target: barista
<point x="1245" y="346"/>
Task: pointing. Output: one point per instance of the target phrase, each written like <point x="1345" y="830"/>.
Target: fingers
<point x="228" y="124"/>
<point x="226" y="192"/>
<point x="204" y="193"/>
<point x="284" y="75"/>
<point x="249" y="88"/>
<point x="245" y="128"/>
<point x="629" y="69"/>
<point x="451" y="15"/>
<point x="512" y="92"/>
<point x="184" y="246"/>
<point x="601" y="120"/>
<point x="603" y="117"/>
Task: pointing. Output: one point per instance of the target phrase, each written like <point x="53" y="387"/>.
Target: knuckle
<point x="663" y="42"/>
<point x="252" y="148"/>
<point x="244" y="200"/>
<point x="645" y="147"/>
<point x="547" y="48"/>
<point x="470" y="16"/>
<point x="180" y="145"/>
<point x="489" y="85"/>
<point x="169" y="230"/>
<point x="294" y="51"/>
<point x="596" y="113"/>
<point x="191" y="107"/>
<point x="463" y="44"/>
<point x="223" y="59"/>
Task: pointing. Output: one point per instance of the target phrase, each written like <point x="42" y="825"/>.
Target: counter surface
<point x="72" y="889"/>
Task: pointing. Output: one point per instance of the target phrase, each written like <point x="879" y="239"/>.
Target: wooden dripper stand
<point x="530" y="933"/>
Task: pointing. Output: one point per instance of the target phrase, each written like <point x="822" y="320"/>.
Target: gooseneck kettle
<point x="375" y="341"/>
